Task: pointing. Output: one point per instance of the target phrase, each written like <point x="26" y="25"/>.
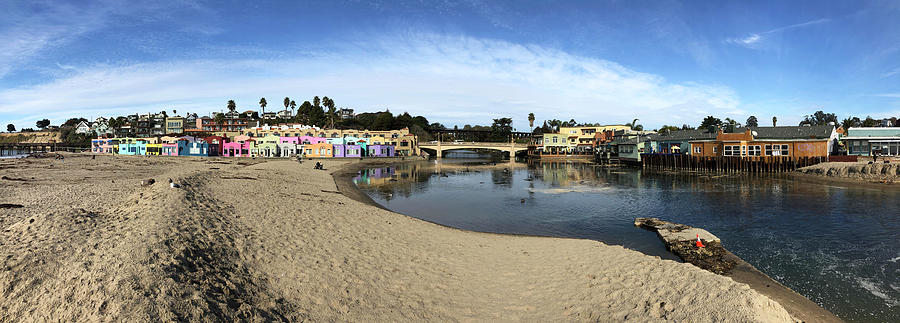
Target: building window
<point x="698" y="150"/>
<point x="731" y="150"/>
<point x="768" y="150"/>
<point x="753" y="150"/>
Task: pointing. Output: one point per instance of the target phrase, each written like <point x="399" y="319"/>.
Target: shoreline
<point x="272" y="240"/>
<point x="797" y="305"/>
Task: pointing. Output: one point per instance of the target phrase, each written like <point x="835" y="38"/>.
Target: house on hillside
<point x="83" y="127"/>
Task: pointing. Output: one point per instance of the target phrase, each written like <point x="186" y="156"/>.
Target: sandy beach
<point x="263" y="240"/>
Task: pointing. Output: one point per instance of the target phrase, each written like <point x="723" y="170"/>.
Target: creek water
<point x="836" y="244"/>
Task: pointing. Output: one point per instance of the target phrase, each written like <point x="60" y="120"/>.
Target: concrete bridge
<point x="440" y="147"/>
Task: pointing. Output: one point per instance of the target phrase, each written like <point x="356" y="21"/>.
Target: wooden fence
<point x="752" y="164"/>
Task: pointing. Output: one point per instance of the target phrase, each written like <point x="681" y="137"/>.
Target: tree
<point x="293" y="106"/>
<point x="73" y="122"/>
<point x="329" y="103"/>
<point x="316" y="101"/>
<point x="634" y="126"/>
<point x="42" y="123"/>
<point x="383" y="121"/>
<point x="231" y="105"/>
<point x="219" y="118"/>
<point x="710" y="121"/>
<point x="501" y="129"/>
<point x="263" y="104"/>
<point x="531" y="120"/>
<point x="851" y="122"/>
<point x="732" y="122"/>
<point x="287" y="102"/>
<point x="869" y="122"/>
<point x="10" y="127"/>
<point x="774" y="121"/>
<point x="666" y="129"/>
<point x="752" y="122"/>
<point x="819" y="118"/>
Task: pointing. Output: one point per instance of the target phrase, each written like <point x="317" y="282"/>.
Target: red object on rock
<point x="699" y="244"/>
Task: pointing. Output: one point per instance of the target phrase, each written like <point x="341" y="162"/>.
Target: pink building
<point x="310" y="140"/>
<point x="290" y="140"/>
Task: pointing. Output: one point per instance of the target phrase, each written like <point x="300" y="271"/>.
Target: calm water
<point x="835" y="244"/>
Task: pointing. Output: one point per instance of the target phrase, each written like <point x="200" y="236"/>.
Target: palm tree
<point x="293" y="106"/>
<point x="316" y="101"/>
<point x="632" y="124"/>
<point x="174" y="112"/>
<point x="774" y="121"/>
<point x="531" y="120"/>
<point x="262" y="104"/>
<point x="231" y="105"/>
<point x="287" y="102"/>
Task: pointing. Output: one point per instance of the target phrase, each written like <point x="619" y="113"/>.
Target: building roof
<point x="791" y="132"/>
<point x="683" y="135"/>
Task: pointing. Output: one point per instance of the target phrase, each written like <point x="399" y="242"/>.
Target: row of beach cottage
<point x="278" y="141"/>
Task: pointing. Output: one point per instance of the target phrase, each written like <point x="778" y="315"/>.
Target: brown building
<point x="799" y="141"/>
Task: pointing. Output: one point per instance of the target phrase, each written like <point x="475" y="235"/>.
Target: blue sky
<point x="456" y="62"/>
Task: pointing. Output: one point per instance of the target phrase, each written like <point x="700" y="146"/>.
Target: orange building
<point x="321" y="149"/>
<point x="799" y="141"/>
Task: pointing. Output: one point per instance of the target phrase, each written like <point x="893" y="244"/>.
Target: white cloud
<point x="32" y="28"/>
<point x="753" y="40"/>
<point x="447" y="79"/>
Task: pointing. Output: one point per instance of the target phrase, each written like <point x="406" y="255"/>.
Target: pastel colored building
<point x="200" y="148"/>
<point x="289" y="140"/>
<point x="380" y="151"/>
<point x="179" y="148"/>
<point x="347" y="150"/>
<point x="104" y="145"/>
<point x="154" y="149"/>
<point x="310" y="140"/>
<point x="233" y="149"/>
<point x="132" y="146"/>
<point x="289" y="149"/>
<point x="268" y="146"/>
<point x="320" y="150"/>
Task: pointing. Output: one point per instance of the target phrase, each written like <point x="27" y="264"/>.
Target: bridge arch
<point x="440" y="147"/>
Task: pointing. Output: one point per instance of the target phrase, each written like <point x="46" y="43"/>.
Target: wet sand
<point x="264" y="240"/>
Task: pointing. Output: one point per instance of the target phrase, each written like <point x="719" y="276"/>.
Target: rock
<point x="680" y="239"/>
<point x="148" y="182"/>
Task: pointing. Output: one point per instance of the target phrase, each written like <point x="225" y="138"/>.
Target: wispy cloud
<point x="447" y="78"/>
<point x="34" y="28"/>
<point x="891" y="73"/>
<point x="754" y="39"/>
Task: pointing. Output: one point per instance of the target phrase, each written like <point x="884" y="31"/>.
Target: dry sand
<point x="270" y="240"/>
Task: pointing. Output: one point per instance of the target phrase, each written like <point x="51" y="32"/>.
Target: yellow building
<point x="582" y="138"/>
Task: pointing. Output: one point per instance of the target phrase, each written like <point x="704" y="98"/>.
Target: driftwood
<point x="681" y="240"/>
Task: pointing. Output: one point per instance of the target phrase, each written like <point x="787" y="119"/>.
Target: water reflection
<point x="836" y="244"/>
